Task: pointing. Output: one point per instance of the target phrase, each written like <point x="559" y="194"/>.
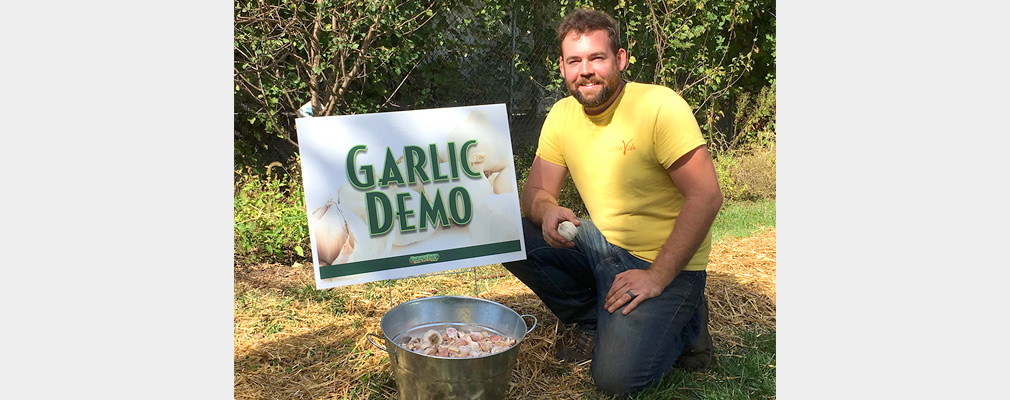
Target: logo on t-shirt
<point x="624" y="147"/>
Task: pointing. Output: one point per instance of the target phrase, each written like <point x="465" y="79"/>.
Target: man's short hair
<point x="583" y="21"/>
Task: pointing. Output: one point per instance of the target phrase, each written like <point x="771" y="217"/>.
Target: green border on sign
<point x="382" y="264"/>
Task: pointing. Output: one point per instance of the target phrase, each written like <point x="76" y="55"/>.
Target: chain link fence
<point x="511" y="61"/>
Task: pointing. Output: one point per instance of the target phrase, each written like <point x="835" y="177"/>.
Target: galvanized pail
<point x="420" y="376"/>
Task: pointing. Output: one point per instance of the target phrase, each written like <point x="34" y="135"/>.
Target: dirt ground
<point x="274" y="276"/>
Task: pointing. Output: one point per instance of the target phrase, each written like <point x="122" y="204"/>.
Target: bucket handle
<point x="534" y="322"/>
<point x="369" y="337"/>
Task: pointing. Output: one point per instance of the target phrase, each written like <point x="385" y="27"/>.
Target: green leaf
<point x="298" y="249"/>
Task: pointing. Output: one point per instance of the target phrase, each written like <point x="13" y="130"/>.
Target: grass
<point x="739" y="219"/>
<point x="745" y="372"/>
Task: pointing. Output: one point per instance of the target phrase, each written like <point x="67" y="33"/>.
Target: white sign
<point x="397" y="194"/>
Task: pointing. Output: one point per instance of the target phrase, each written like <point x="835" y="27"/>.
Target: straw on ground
<point x="294" y="342"/>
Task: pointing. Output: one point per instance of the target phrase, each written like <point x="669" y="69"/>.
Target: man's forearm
<point x="536" y="203"/>
<point x="688" y="233"/>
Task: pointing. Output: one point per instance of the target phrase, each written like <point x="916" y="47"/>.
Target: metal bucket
<point x="420" y="376"/>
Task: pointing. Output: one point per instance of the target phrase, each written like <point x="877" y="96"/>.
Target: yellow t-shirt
<point x="618" y="161"/>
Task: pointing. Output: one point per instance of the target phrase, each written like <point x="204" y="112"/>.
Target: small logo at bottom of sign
<point x="432" y="257"/>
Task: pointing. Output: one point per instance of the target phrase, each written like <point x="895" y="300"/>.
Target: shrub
<point x="747" y="174"/>
<point x="270" y="219"/>
<point x="725" y="164"/>
<point x="755" y="119"/>
<point x="756" y="172"/>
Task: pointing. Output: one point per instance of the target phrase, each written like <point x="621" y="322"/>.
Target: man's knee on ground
<point x="619" y="382"/>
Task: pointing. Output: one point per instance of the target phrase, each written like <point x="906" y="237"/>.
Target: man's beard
<point x="606" y="89"/>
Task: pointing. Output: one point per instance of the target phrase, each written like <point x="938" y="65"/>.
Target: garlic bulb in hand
<point x="568" y="230"/>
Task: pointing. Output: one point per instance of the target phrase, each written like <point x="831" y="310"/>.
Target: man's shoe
<point x="700" y="354"/>
<point x="581" y="351"/>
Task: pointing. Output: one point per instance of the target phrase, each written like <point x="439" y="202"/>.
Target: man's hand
<point x="643" y="283"/>
<point x="551" y="219"/>
<point x="539" y="201"/>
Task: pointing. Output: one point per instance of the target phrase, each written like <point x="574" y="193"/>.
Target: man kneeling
<point x="633" y="277"/>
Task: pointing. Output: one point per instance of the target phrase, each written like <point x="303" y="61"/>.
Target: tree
<point x="349" y="57"/>
<point x="707" y="50"/>
<point x="289" y="52"/>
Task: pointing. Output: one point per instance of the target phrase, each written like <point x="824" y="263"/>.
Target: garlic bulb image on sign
<point x="334" y="243"/>
<point x="489" y="154"/>
<point x="568" y="230"/>
<point x="366" y="247"/>
<point x="352" y="199"/>
<point x="342" y="236"/>
<point x="504" y="180"/>
<point x="493" y="219"/>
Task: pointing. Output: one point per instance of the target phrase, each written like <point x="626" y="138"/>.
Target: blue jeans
<point x="632" y="351"/>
